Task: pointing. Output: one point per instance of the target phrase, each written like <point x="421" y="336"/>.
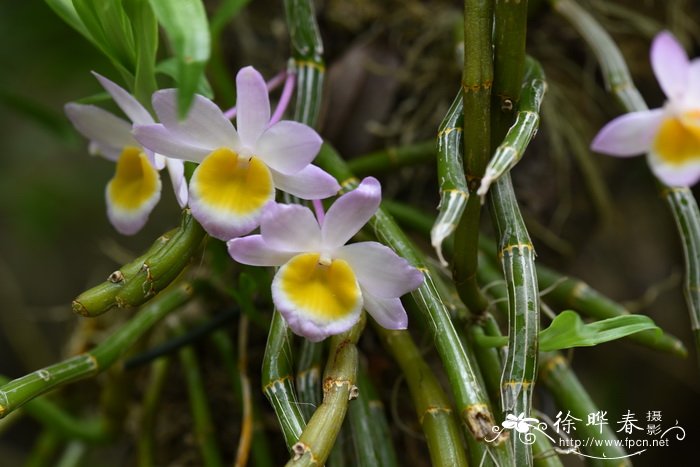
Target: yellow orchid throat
<point x="678" y="141"/>
<point x="326" y="292"/>
<point x="135" y="181"/>
<point x="234" y="184"/>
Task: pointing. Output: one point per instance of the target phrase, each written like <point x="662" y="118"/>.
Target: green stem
<point x="20" y="391"/>
<point x="571" y="396"/>
<point x="308" y="377"/>
<point x="44" y="449"/>
<point x="204" y="430"/>
<point x="149" y="414"/>
<point x="393" y="158"/>
<point x="317" y="439"/>
<point x="518" y="261"/>
<point x="433" y="408"/>
<point x="277" y="380"/>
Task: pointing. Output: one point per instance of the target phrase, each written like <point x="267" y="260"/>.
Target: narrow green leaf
<point x="66" y="10"/>
<point x="145" y="31"/>
<point x="168" y="67"/>
<point x="568" y="330"/>
<point x="185" y="24"/>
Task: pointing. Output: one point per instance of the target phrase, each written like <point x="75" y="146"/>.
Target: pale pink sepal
<point x="289" y="227"/>
<point x="350" y="213"/>
<point x="388" y="312"/>
<point x="311" y="182"/>
<point x="254" y="251"/>
<point x="380" y="270"/>
<point x="629" y="134"/>
<point x="670" y="63"/>
<point x="253" y="105"/>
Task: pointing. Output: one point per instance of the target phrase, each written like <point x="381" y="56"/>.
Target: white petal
<point x="98" y="125"/>
<point x="254" y="251"/>
<point x="630" y="134"/>
<point x="670" y="64"/>
<point x="691" y="98"/>
<point x="288" y="147"/>
<point x="675" y="175"/>
<point x="379" y="269"/>
<point x="253" y="105"/>
<point x="176" y="169"/>
<point x="204" y="125"/>
<point x="309" y="183"/>
<point x="290" y="227"/>
<point x="159" y="139"/>
<point x="128" y="103"/>
<point x="350" y="213"/>
<point x="388" y="312"/>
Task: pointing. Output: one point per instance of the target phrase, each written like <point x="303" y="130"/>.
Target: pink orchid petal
<point x="159" y="139"/>
<point x="290" y="227"/>
<point x="691" y="98"/>
<point x="204" y="126"/>
<point x="630" y="134"/>
<point x="288" y="146"/>
<point x="380" y="270"/>
<point x="253" y="105"/>
<point x="128" y="103"/>
<point x="176" y="169"/>
<point x="100" y="126"/>
<point x="388" y="312"/>
<point x="670" y="63"/>
<point x="350" y="213"/>
<point x="310" y="182"/>
<point x="254" y="251"/>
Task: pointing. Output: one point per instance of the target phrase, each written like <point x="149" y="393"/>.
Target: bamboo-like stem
<point x="523" y="129"/>
<point x="393" y="158"/>
<point x="72" y="455"/>
<point x="432" y="406"/>
<point x="161" y="268"/>
<point x="340" y="375"/>
<point x="204" y="430"/>
<point x="681" y="201"/>
<point x="571" y="396"/>
<point x="277" y="380"/>
<point x="308" y="377"/>
<point x="102" y="297"/>
<point x="307" y="53"/>
<point x="469" y="395"/>
<point x="370" y="432"/>
<point x="64" y="424"/>
<point x="543" y="453"/>
<point x="19" y="391"/>
<point x="454" y="192"/>
<point x="151" y="403"/>
<point x="518" y="261"/>
<point x="477" y="81"/>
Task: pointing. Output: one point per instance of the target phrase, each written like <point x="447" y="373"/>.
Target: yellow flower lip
<point x="233" y="185"/>
<point x="323" y="292"/>
<point x="677" y="141"/>
<point x="135" y="182"/>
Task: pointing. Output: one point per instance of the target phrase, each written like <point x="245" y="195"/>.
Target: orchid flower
<point x="669" y="135"/>
<point x="239" y="168"/>
<point x="323" y="284"/>
<point x="135" y="188"/>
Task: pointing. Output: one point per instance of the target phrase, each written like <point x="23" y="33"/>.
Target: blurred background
<point x="393" y="71"/>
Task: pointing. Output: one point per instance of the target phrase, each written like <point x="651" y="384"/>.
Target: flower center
<point x="325" y="291"/>
<point x="678" y="140"/>
<point x="239" y="185"/>
<point x="135" y="180"/>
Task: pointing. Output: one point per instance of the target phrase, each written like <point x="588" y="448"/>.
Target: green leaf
<point x="568" y="330"/>
<point x="185" y="24"/>
<point x="168" y="67"/>
<point x="66" y="10"/>
<point x="145" y="30"/>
